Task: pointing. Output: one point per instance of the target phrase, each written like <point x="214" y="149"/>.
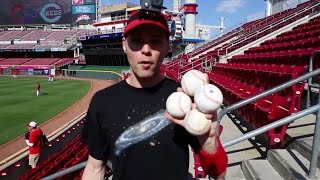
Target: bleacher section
<point x="72" y="153"/>
<point x="251" y="32"/>
<point x="261" y="67"/>
<point x="63" y="61"/>
<point x="65" y="149"/>
<point x="14" y="61"/>
<point x="41" y="61"/>
<point x="36" y="61"/>
<point x="40" y="39"/>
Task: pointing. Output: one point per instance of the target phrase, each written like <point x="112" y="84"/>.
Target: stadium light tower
<point x="176" y="5"/>
<point x="269" y="7"/>
<point x="190" y="11"/>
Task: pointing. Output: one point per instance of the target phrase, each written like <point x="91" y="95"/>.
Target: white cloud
<point x="230" y="6"/>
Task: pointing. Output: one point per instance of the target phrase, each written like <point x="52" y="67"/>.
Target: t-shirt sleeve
<point x="93" y="134"/>
<point x="31" y="137"/>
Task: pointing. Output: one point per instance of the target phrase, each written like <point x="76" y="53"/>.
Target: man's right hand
<point x="26" y="135"/>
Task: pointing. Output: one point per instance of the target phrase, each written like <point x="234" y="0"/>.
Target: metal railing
<point x="203" y="63"/>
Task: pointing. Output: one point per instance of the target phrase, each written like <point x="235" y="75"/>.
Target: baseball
<point x="197" y="123"/>
<point x="191" y="80"/>
<point x="208" y="98"/>
<point x="178" y="104"/>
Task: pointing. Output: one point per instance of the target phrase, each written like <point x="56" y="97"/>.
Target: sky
<point x="235" y="12"/>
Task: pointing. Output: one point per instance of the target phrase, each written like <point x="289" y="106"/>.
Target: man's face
<point x="145" y="46"/>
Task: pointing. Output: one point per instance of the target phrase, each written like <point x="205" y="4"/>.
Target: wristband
<point x="214" y="164"/>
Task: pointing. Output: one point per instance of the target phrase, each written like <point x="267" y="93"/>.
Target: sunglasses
<point x="149" y="15"/>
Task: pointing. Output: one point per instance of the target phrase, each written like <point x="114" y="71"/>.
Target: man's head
<point x="146" y="43"/>
<point x="32" y="125"/>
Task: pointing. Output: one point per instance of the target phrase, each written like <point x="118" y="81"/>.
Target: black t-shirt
<point x="165" y="155"/>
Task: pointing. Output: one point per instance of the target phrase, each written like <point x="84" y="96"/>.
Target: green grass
<point x="20" y="105"/>
<point x="117" y="69"/>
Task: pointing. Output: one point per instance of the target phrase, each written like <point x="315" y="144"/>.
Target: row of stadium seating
<point x="35" y="61"/>
<point x="40" y="39"/>
<point x="260" y="68"/>
<point x="74" y="152"/>
<point x="43" y="45"/>
<point x="34" y="35"/>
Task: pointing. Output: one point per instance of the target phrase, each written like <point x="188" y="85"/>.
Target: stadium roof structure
<point x="116" y="7"/>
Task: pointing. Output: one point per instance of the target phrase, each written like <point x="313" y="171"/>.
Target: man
<point x="38" y="89"/>
<point x="33" y="140"/>
<point x="165" y="155"/>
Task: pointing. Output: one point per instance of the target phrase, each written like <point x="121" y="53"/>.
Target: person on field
<point x="38" y="89"/>
<point x="33" y="140"/>
<point x="165" y="155"/>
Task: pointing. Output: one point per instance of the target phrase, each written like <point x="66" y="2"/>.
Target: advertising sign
<point x="23" y="72"/>
<point x="30" y="71"/>
<point x="83" y="18"/>
<point x="41" y="72"/>
<point x="77" y="2"/>
<point x="17" y="12"/>
<point x="7" y="71"/>
<point x="84" y="9"/>
<point x="89" y="2"/>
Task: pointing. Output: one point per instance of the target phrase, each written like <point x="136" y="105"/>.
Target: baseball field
<point x="20" y="105"/>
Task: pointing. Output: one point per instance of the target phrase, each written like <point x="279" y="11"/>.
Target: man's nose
<point x="146" y="48"/>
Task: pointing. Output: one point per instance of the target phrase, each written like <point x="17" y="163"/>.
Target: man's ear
<point x="124" y="44"/>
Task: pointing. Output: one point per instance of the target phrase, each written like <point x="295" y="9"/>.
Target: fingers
<point x="175" y="120"/>
<point x="194" y="106"/>
<point x="206" y="75"/>
<point x="209" y="116"/>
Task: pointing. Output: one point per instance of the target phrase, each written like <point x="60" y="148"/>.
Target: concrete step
<point x="300" y="136"/>
<point x="304" y="147"/>
<point x="244" y="150"/>
<point x="290" y="164"/>
<point x="259" y="170"/>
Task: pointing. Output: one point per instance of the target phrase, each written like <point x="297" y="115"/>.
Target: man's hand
<point x="26" y="135"/>
<point x="208" y="141"/>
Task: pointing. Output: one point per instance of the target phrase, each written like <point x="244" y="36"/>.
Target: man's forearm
<point x="208" y="144"/>
<point x="28" y="143"/>
<point x="94" y="169"/>
<point x="92" y="173"/>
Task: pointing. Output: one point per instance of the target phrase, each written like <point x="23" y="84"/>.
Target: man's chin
<point x="146" y="75"/>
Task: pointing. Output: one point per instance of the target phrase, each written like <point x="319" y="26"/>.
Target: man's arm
<point x="213" y="157"/>
<point x="95" y="169"/>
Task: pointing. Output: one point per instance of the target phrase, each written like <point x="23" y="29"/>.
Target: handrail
<point x="174" y="63"/>
<point x="203" y="59"/>
<point x="310" y="85"/>
<point x="270" y="126"/>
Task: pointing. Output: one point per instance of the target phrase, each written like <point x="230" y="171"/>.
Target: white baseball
<point x="197" y="123"/>
<point x="208" y="98"/>
<point x="178" y="104"/>
<point x="191" y="80"/>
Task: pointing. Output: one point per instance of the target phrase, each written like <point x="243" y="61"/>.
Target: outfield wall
<point x="27" y="70"/>
<point x="93" y="74"/>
